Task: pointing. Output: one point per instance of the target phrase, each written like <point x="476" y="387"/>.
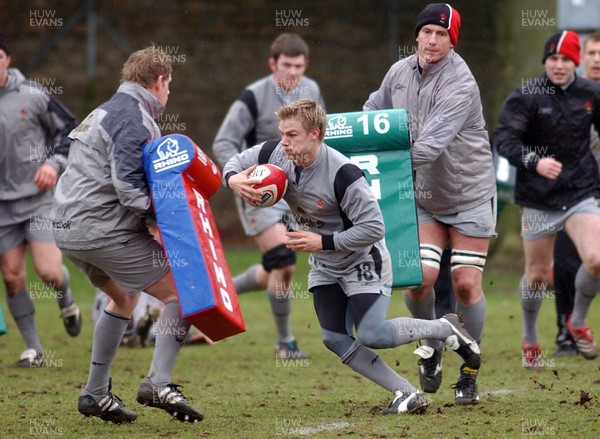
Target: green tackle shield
<point x="378" y="142"/>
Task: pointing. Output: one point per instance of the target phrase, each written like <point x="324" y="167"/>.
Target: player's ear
<point x="155" y="86"/>
<point x="272" y="64"/>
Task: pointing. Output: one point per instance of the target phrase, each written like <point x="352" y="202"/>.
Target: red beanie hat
<point x="566" y="43"/>
<point x="441" y="14"/>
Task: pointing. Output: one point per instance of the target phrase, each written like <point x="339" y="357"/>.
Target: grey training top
<point x="251" y="118"/>
<point x="103" y="192"/>
<point x="331" y="197"/>
<point x="33" y="131"/>
<point x="451" y="154"/>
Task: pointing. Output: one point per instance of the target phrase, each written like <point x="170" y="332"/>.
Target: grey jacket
<point x="251" y="118"/>
<point x="33" y="131"/>
<point x="103" y="192"/>
<point x="330" y="197"/>
<point x="451" y="154"/>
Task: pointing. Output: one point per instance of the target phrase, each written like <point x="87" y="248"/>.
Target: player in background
<point x="454" y="174"/>
<point x="566" y="258"/>
<point x="544" y="131"/>
<point x="340" y="224"/>
<point x="33" y="152"/>
<point x="249" y="121"/>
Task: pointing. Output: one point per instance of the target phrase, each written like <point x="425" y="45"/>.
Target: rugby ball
<point x="273" y="185"/>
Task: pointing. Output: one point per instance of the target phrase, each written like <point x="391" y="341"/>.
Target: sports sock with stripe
<point x="108" y="333"/>
<point x="281" y="306"/>
<point x="473" y="317"/>
<point x="21" y="308"/>
<point x="170" y="332"/>
<point x="246" y="280"/>
<point x="586" y="288"/>
<point x="63" y="291"/>
<point x="531" y="302"/>
<point x="369" y="364"/>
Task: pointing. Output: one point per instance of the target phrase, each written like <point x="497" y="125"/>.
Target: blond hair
<point x="309" y="112"/>
<point x="146" y="65"/>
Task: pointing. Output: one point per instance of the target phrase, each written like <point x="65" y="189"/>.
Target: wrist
<point x="227" y="177"/>
<point x="530" y="161"/>
<point x="327" y="242"/>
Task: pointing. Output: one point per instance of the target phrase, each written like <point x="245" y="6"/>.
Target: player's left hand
<point x="549" y="167"/>
<point x="303" y="241"/>
<point x="46" y="177"/>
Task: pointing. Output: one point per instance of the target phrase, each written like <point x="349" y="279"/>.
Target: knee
<point x="279" y="262"/>
<point x="465" y="285"/>
<point x="592" y="264"/>
<point x="468" y="289"/>
<point x="372" y="338"/>
<point x="421" y="292"/>
<point x="536" y="280"/>
<point x="331" y="345"/>
<point x="14" y="280"/>
<point x="426" y="288"/>
<point x="279" y="258"/>
<point x="337" y="342"/>
<point x="124" y="304"/>
<point x="50" y="275"/>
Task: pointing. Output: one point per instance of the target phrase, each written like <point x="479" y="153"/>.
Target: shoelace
<point x="174" y="395"/>
<point x="463" y="384"/>
<point x="112" y="396"/>
<point x="429" y="364"/>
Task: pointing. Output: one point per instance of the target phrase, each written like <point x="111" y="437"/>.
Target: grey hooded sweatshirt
<point x="33" y="131"/>
<point x="103" y="192"/>
<point x="451" y="154"/>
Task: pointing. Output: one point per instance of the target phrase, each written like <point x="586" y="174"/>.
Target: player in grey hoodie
<point x="98" y="209"/>
<point x="455" y="185"/>
<point x="33" y="151"/>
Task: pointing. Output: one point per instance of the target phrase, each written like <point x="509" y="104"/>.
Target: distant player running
<point x="251" y="120"/>
<point x="33" y="152"/>
<point x="341" y="226"/>
<point x="544" y="131"/>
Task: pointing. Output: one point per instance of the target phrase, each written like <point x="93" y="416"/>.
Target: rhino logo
<point x="169" y="155"/>
<point x="337" y="128"/>
<point x="168" y="148"/>
<point x="337" y="122"/>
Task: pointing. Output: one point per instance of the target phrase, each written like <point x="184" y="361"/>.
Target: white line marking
<point x="305" y="431"/>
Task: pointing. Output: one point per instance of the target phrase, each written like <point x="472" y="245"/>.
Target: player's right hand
<point x="45" y="177"/>
<point x="241" y="185"/>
